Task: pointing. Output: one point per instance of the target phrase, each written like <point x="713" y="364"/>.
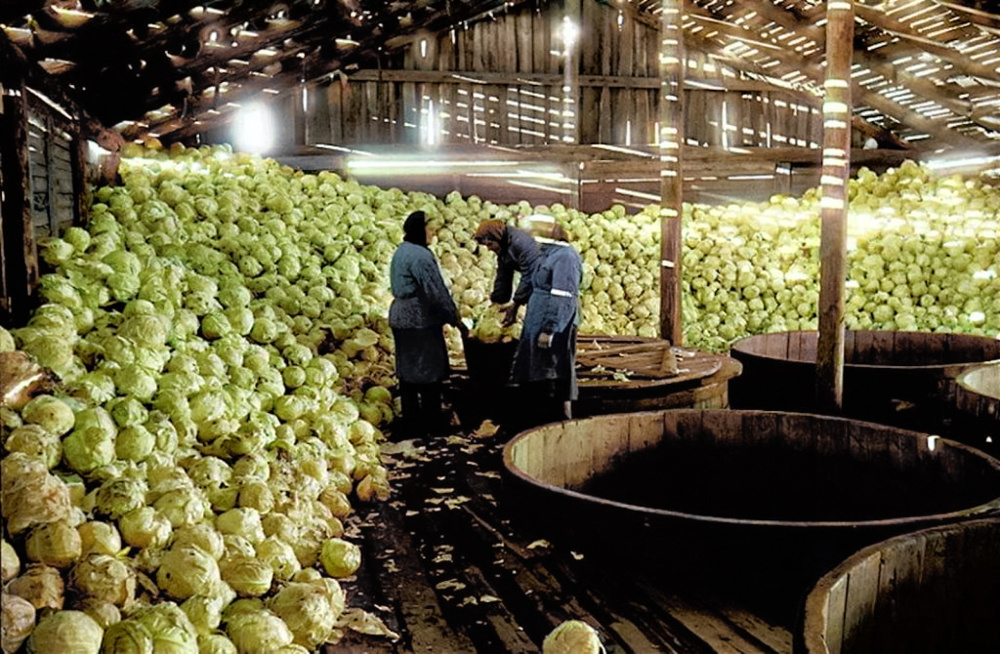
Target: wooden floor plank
<point x="449" y="568"/>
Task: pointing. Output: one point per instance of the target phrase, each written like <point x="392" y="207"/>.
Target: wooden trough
<point x="934" y="590"/>
<point x="901" y="378"/>
<point x="763" y="501"/>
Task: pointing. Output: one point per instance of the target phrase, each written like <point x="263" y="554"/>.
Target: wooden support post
<point x="571" y="108"/>
<point x="672" y="62"/>
<point x="833" y="204"/>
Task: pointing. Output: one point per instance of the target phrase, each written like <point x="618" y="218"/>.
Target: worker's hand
<point x="509" y="314"/>
<point x="544" y="340"/>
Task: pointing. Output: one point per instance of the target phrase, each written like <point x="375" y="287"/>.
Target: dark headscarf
<point x="493" y="230"/>
<point x="414" y="228"/>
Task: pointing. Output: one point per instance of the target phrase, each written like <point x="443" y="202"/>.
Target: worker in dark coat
<point x="420" y="308"/>
<point x="516" y="251"/>
<point x="544" y="367"/>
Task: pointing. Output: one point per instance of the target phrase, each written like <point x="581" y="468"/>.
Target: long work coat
<point x="552" y="309"/>
<point x="421" y="306"/>
<point x="519" y="252"/>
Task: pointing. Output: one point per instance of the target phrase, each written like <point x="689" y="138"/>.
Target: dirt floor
<point x="449" y="568"/>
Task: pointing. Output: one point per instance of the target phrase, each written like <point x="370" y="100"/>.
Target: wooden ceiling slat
<point x="770" y="39"/>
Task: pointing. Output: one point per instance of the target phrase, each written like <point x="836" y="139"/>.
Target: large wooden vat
<point x="633" y="375"/>
<point x="977" y="407"/>
<point x="651" y="375"/>
<point x="743" y="497"/>
<point x="934" y="590"/>
<point x="901" y="378"/>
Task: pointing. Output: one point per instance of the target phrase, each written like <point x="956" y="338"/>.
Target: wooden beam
<point x="673" y="61"/>
<point x="990" y="22"/>
<point x="962" y="63"/>
<point x="716" y="49"/>
<point x="788" y="62"/>
<point x="547" y="79"/>
<point x="833" y="204"/>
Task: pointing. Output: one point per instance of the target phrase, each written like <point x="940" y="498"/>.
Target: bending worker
<point x="420" y="308"/>
<point x="544" y="369"/>
<point x="516" y="251"/>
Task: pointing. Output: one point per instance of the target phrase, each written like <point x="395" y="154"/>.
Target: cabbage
<point x="6" y="340"/>
<point x="41" y="585"/>
<point x="247" y="575"/>
<point x="280" y="556"/>
<point x="241" y="522"/>
<point x="50" y="413"/>
<point x="572" y="637"/>
<point x="37" y="442"/>
<point x="127" y="637"/>
<point x="215" y="644"/>
<point x="256" y="631"/>
<point x="66" y="631"/>
<point x="104" y="613"/>
<point x="135" y="443"/>
<point x="256" y="495"/>
<point x="55" y="543"/>
<point x="127" y="411"/>
<point x="203" y="536"/>
<point x="147" y="331"/>
<point x="10" y="564"/>
<point x="99" y="538"/>
<point x="186" y="571"/>
<point x="340" y="558"/>
<point x="170" y="628"/>
<point x="105" y="578"/>
<point x="17" y="620"/>
<point x="91" y="444"/>
<point x="134" y="380"/>
<point x="117" y="497"/>
<point x="310" y="609"/>
<point x="204" y="612"/>
<point x="145" y="528"/>
<point x="183" y="506"/>
<point x="29" y="495"/>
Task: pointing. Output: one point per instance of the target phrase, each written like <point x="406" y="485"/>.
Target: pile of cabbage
<point x="923" y="254"/>
<point x="219" y="329"/>
<point x="224" y="370"/>
<point x="121" y="536"/>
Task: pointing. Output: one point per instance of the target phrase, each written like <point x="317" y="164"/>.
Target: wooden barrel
<point x="977" y="407"/>
<point x="934" y="590"/>
<point x="901" y="378"/>
<point x="620" y="374"/>
<point x="750" y="498"/>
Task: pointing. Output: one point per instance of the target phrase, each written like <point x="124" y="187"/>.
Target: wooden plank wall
<point x="51" y="180"/>
<point x="499" y="81"/>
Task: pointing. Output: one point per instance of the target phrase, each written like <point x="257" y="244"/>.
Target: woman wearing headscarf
<point x="516" y="251"/>
<point x="545" y="363"/>
<point x="420" y="308"/>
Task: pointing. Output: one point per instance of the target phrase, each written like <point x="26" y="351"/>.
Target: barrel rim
<point x="814" y="607"/>
<point x="634" y="509"/>
<point x="735" y="349"/>
<point x="963" y="380"/>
